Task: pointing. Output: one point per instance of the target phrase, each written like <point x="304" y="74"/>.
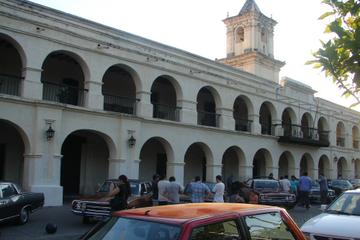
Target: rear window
<point x="134" y="229"/>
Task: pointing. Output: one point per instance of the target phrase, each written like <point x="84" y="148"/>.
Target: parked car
<point x="198" y="221"/>
<point x="339" y="185"/>
<point x="355" y="183"/>
<point x="185" y="197"/>
<point x="315" y="193"/>
<point x="270" y="192"/>
<point x="338" y="221"/>
<point x="98" y="205"/>
<point x="16" y="203"/>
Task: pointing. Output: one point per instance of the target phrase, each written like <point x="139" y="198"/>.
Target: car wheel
<point x="24" y="216"/>
<point x="86" y="220"/>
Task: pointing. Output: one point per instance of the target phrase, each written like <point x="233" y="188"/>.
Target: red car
<point x="198" y="221"/>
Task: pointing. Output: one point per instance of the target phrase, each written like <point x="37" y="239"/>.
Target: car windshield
<point x="128" y="228"/>
<point x="347" y="203"/>
<point x="341" y="183"/>
<point x="266" y="184"/>
<point x="133" y="185"/>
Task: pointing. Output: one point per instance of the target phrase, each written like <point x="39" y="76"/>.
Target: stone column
<point x="212" y="170"/>
<point x="314" y="173"/>
<point x="31" y="86"/>
<point x="273" y="170"/>
<point x="277" y="129"/>
<point x="93" y="96"/>
<point x="294" y="171"/>
<point x="246" y="172"/>
<point x="188" y="113"/>
<point x="255" y="125"/>
<point x="176" y="169"/>
<point x="227" y="120"/>
<point x="144" y="108"/>
<point x="117" y="167"/>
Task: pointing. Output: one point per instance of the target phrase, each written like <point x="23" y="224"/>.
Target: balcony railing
<point x="166" y="112"/>
<point x="356" y="144"/>
<point x="243" y="125"/>
<point x="208" y="119"/>
<point x="10" y="84"/>
<point x="63" y="93"/>
<point x="340" y="141"/>
<point x="266" y="129"/>
<point x="120" y="104"/>
<point x="303" y="135"/>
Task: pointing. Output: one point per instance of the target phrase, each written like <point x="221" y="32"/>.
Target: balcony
<point x="340" y="141"/>
<point x="208" y="119"/>
<point x="10" y="84"/>
<point x="63" y="94"/>
<point x="243" y="125"/>
<point x="296" y="134"/>
<point x="120" y="104"/>
<point x="166" y="112"/>
<point x="356" y="144"/>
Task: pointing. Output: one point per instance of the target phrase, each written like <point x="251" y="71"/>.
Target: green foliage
<point x="339" y="57"/>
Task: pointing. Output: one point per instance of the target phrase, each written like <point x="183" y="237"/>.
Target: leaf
<point x="325" y="15"/>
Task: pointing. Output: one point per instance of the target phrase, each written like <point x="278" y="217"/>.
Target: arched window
<point x="240" y="35"/>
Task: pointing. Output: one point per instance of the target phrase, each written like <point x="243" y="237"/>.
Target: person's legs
<point x="323" y="197"/>
<point x="307" y="199"/>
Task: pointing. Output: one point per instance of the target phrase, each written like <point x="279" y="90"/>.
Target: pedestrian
<point x="155" y="190"/>
<point x="198" y="190"/>
<point x="219" y="190"/>
<point x="294" y="185"/>
<point x="305" y="188"/>
<point x="285" y="183"/>
<point x="173" y="190"/>
<point x="162" y="190"/>
<point x="120" y="193"/>
<point x="323" y="189"/>
<point x="229" y="182"/>
<point x="235" y="193"/>
<point x="271" y="176"/>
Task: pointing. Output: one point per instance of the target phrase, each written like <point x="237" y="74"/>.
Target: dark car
<point x="339" y="185"/>
<point x="270" y="192"/>
<point x="355" y="183"/>
<point x="98" y="205"/>
<point x="315" y="193"/>
<point x="18" y="204"/>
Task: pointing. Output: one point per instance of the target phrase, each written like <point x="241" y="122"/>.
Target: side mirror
<point x="323" y="207"/>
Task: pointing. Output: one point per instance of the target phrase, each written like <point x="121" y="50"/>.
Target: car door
<point x="9" y="201"/>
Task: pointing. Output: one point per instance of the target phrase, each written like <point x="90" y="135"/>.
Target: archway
<point x="267" y="112"/>
<point x="324" y="167"/>
<point x="85" y="162"/>
<point x="355" y="137"/>
<point x="233" y="160"/>
<point x="197" y="156"/>
<point x="323" y="130"/>
<point x="288" y="119"/>
<point x="342" y="168"/>
<point x="207" y="100"/>
<point x="307" y="128"/>
<point x="307" y="165"/>
<point x="357" y="168"/>
<point x="262" y="163"/>
<point x="241" y="110"/>
<point x="286" y="164"/>
<point x="340" y="134"/>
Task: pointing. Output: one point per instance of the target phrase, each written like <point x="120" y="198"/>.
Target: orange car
<point x="198" y="221"/>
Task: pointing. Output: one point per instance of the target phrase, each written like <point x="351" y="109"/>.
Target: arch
<point x="307" y="127"/>
<point x="323" y="129"/>
<point x="324" y="167"/>
<point x="155" y="154"/>
<point x="120" y="84"/>
<point x="242" y="110"/>
<point x="307" y="165"/>
<point x="85" y="161"/>
<point x="12" y="59"/>
<point x="355" y="137"/>
<point x="64" y="75"/>
<point x="357" y="168"/>
<point x="288" y="119"/>
<point x="233" y="162"/>
<point x="165" y="92"/>
<point x="267" y="113"/>
<point x="342" y="168"/>
<point x="239" y="34"/>
<point x="198" y="158"/>
<point x="24" y="136"/>
<point x="262" y="163"/>
<point x="208" y="101"/>
<point x="286" y="164"/>
<point x="340" y="134"/>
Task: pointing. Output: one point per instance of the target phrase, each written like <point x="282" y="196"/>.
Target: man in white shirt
<point x="219" y="189"/>
<point x="285" y="183"/>
<point x="162" y="186"/>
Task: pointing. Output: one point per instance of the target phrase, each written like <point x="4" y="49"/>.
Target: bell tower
<point x="249" y="44"/>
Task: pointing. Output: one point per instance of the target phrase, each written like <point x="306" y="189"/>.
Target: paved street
<point x="71" y="226"/>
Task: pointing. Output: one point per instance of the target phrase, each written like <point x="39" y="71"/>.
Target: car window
<point x="346" y="204"/>
<point x="267" y="184"/>
<point x="268" y="226"/>
<point x="7" y="190"/>
<point x="143" y="188"/>
<point x="217" y="231"/>
<point x="148" y="187"/>
<point x="134" y="186"/>
<point x="134" y="229"/>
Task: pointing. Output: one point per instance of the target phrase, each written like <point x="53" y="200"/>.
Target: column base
<point x="53" y="194"/>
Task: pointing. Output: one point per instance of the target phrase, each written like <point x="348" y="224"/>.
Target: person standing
<point x="305" y="188"/>
<point x="294" y="185"/>
<point x="155" y="190"/>
<point x="323" y="189"/>
<point x="198" y="190"/>
<point x="285" y="183"/>
<point x="219" y="190"/>
<point x="121" y="193"/>
<point x="173" y="190"/>
<point x="162" y="188"/>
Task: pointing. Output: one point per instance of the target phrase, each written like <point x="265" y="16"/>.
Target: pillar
<point x="176" y="169"/>
<point x="117" y="167"/>
<point x="188" y="113"/>
<point x="144" y="108"/>
<point x="212" y="170"/>
<point x="227" y="120"/>
<point x="31" y="86"/>
<point x="255" y="125"/>
<point x="93" y="97"/>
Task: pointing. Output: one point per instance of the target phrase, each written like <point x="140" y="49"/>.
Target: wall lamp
<point x="131" y="141"/>
<point x="335" y="159"/>
<point x="50" y="133"/>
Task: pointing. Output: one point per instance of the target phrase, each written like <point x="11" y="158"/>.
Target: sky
<point x="196" y="26"/>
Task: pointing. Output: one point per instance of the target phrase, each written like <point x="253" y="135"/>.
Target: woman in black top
<point x="122" y="192"/>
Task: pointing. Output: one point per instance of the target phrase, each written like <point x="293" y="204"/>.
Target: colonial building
<point x="81" y="102"/>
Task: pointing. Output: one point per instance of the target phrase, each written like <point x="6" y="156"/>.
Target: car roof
<point x="357" y="191"/>
<point x="180" y="213"/>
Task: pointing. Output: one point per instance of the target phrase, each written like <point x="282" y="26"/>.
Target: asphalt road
<point x="70" y="226"/>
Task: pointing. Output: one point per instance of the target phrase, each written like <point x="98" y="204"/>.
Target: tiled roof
<point x="249" y="5"/>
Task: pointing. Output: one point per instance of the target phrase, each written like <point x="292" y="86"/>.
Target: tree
<point x="339" y="57"/>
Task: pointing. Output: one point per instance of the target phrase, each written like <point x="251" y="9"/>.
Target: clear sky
<point x="196" y="26"/>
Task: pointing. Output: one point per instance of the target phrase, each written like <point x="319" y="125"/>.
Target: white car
<point x="340" y="220"/>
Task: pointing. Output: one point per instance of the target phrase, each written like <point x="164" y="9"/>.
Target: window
<point x="7" y="190"/>
<point x="268" y="226"/>
<point x="240" y="35"/>
<point x="217" y="231"/>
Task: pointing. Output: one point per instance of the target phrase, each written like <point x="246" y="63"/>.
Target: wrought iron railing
<point x="208" y="119"/>
<point x="166" y="112"/>
<point x="243" y="125"/>
<point x="63" y="93"/>
<point x="356" y="144"/>
<point x="10" y="84"/>
<point x="120" y="104"/>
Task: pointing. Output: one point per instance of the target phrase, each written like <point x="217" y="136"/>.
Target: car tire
<point x="24" y="216"/>
<point x="86" y="220"/>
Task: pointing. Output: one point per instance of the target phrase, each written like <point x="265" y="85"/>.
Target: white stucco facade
<point x="189" y="115"/>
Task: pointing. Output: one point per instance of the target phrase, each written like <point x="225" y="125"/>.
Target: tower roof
<point x="249" y="5"/>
